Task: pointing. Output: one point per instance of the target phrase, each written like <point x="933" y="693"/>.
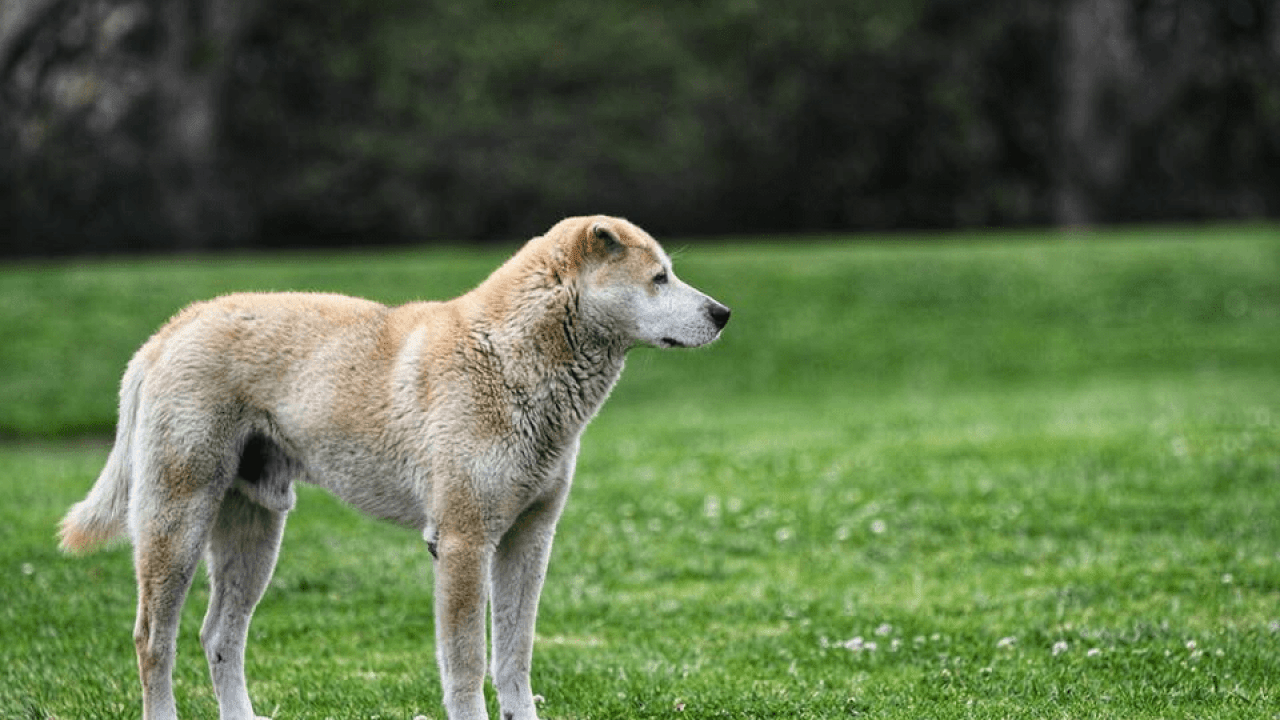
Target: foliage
<point x="389" y="120"/>
<point x="986" y="476"/>
<point x="482" y="120"/>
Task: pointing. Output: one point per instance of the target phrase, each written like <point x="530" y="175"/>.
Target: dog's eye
<point x="660" y="278"/>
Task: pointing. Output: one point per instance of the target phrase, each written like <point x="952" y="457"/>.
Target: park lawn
<point x="986" y="476"/>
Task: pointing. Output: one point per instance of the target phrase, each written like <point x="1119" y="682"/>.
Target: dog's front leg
<point x="461" y="592"/>
<point x="519" y="567"/>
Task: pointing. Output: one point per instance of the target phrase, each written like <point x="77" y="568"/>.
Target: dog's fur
<point x="460" y="419"/>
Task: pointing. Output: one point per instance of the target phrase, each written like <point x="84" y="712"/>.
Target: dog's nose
<point x="719" y="315"/>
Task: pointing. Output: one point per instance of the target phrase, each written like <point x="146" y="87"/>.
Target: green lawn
<point x="987" y="476"/>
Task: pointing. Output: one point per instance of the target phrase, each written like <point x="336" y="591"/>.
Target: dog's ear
<point x="603" y="240"/>
<point x="582" y="243"/>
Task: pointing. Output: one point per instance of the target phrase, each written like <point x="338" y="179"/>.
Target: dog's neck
<point x="544" y="347"/>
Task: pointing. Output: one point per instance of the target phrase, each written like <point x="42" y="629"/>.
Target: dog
<point x="460" y="419"/>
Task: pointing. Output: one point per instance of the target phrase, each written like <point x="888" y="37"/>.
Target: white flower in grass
<point x="1006" y="642"/>
<point x="858" y="645"/>
<point x="711" y="507"/>
<point x="1060" y="647"/>
<point x="1093" y="652"/>
<point x="884" y="629"/>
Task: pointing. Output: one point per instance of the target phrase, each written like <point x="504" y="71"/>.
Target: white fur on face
<point x="654" y="306"/>
<point x="676" y="315"/>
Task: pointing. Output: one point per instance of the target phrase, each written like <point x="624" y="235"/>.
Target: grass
<point x="982" y="477"/>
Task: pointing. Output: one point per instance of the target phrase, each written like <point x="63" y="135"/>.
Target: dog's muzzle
<point x="719" y="315"/>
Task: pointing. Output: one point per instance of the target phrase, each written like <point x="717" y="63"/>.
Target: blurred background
<point x="156" y="125"/>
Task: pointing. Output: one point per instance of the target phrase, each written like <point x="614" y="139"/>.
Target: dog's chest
<point x="549" y="415"/>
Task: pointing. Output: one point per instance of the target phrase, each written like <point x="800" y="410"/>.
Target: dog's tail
<point x="103" y="515"/>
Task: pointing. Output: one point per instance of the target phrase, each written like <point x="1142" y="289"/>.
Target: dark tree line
<point x="159" y="124"/>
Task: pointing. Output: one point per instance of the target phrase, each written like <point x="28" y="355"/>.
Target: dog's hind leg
<point x="168" y="535"/>
<point x="241" y="556"/>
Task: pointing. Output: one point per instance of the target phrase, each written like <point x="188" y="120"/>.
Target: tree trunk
<point x="1098" y="69"/>
<point x="110" y="118"/>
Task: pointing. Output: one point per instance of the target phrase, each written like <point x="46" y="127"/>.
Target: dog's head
<point x="626" y="285"/>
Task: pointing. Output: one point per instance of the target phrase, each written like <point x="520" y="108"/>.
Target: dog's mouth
<point x="667" y="342"/>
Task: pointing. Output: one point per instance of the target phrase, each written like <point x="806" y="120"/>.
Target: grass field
<point x="987" y="476"/>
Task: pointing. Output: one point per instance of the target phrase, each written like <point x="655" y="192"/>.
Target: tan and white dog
<point x="460" y="419"/>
